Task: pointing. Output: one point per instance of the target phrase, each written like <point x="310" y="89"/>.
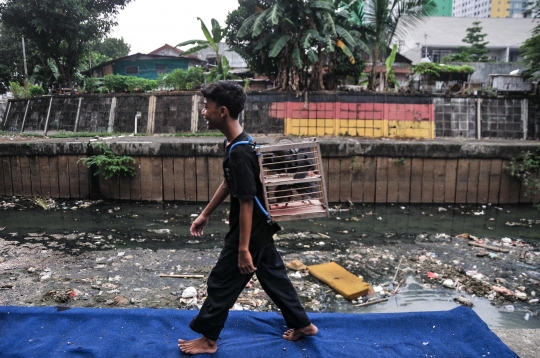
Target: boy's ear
<point x="223" y="111"/>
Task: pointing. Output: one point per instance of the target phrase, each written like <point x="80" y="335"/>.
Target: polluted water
<point x="414" y="257"/>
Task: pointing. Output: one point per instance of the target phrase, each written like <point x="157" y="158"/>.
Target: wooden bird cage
<point x="293" y="180"/>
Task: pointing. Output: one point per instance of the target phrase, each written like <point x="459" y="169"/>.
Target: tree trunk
<point x="373" y="72"/>
<point x="288" y="77"/>
<point x="316" y="83"/>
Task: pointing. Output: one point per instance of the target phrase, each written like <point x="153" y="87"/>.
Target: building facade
<point x="444" y="8"/>
<point x="471" y="8"/>
<point x="500" y="8"/>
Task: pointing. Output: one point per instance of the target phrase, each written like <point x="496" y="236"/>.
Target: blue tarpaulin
<point x="94" y="332"/>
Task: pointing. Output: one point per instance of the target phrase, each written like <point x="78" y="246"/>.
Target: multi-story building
<point x="500" y="8"/>
<point x="444" y="8"/>
<point x="471" y="8"/>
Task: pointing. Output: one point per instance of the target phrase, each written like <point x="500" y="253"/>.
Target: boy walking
<point x="248" y="246"/>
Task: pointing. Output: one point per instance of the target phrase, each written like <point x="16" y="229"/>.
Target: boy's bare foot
<point x="197" y="346"/>
<point x="297" y="333"/>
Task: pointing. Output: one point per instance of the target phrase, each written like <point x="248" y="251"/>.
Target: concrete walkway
<point x="524" y="342"/>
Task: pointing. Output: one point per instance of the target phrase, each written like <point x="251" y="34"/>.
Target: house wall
<point x="147" y="68"/>
<point x="500" y="8"/>
<point x="444" y="8"/>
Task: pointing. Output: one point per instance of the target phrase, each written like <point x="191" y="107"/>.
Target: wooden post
<point x="525" y="116"/>
<point x="24" y="118"/>
<point x="194" y="113"/>
<point x="78" y="114"/>
<point x="111" y="115"/>
<point x="479" y="118"/>
<point x="151" y="115"/>
<point x="3" y="124"/>
<point x="48" y="116"/>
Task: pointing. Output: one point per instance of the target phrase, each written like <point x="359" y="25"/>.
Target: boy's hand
<point x="197" y="227"/>
<point x="245" y="262"/>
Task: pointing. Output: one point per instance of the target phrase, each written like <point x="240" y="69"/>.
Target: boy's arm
<point x="197" y="227"/>
<point x="245" y="261"/>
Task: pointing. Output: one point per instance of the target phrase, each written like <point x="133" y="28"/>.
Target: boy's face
<point x="213" y="114"/>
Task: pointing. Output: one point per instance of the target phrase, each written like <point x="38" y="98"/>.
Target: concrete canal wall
<point x="366" y="115"/>
<point x="189" y="169"/>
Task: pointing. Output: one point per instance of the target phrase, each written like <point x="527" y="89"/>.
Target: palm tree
<point x="376" y="21"/>
<point x="299" y="33"/>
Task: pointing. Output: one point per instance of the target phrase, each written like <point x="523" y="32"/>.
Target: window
<point x="132" y="70"/>
<point x="161" y="69"/>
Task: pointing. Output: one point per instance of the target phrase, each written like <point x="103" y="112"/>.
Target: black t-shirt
<point x="241" y="169"/>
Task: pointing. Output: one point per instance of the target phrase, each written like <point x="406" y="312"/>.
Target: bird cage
<point x="293" y="180"/>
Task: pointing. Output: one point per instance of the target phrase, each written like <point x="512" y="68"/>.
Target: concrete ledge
<point x="330" y="147"/>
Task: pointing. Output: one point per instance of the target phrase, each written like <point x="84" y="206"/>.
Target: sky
<point x="149" y="24"/>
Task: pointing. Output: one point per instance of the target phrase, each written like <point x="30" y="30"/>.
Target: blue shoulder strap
<point x="250" y="142"/>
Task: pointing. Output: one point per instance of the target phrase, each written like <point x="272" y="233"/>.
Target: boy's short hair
<point x="226" y="93"/>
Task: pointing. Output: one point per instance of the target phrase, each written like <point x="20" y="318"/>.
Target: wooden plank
<point x="125" y="187"/>
<point x="190" y="179"/>
<point x="357" y="179"/>
<point x="504" y="193"/>
<point x="341" y="280"/>
<point x="84" y="178"/>
<point x="53" y="177"/>
<point x="135" y="182"/>
<point x="393" y="179"/>
<point x="495" y="181"/>
<point x="63" y="177"/>
<point x="417" y="170"/>
<point x="146" y="178"/>
<point x="462" y="180"/>
<point x="428" y="180"/>
<point x="326" y="169"/>
<point x="16" y="178"/>
<point x="179" y="185"/>
<point x="2" y="190"/>
<point x="472" y="184"/>
<point x="370" y="176"/>
<point x="45" y="176"/>
<point x="6" y="171"/>
<point x="514" y="187"/>
<point x="35" y="176"/>
<point x="215" y="174"/>
<point x="157" y="179"/>
<point x="439" y="178"/>
<point x="345" y="180"/>
<point x="404" y="181"/>
<point x="483" y="181"/>
<point x="73" y="177"/>
<point x="381" y="183"/>
<point x="450" y="180"/>
<point x="201" y="166"/>
<point x="25" y="176"/>
<point x="334" y="167"/>
<point x="168" y="178"/>
<point x="114" y="187"/>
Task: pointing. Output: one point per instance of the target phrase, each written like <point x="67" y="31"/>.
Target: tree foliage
<point x="476" y="52"/>
<point x="531" y="48"/>
<point x="294" y="36"/>
<point x="61" y="30"/>
<point x="112" y="47"/>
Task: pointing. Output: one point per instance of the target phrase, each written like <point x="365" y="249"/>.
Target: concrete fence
<point x="190" y="170"/>
<point x="313" y="114"/>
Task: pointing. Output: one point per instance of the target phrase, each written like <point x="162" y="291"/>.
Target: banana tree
<point x="299" y="34"/>
<point x="213" y="38"/>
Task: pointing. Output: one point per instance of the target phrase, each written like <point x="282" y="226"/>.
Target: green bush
<point x="184" y="80"/>
<point x="18" y="90"/>
<point x="34" y="91"/>
<point x="91" y="85"/>
<point x="527" y="169"/>
<point x="436" y="69"/>
<point x="109" y="163"/>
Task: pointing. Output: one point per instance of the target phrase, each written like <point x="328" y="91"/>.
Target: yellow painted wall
<point x="360" y="127"/>
<point x="500" y="8"/>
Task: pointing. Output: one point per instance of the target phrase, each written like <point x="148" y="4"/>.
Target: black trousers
<point x="225" y="284"/>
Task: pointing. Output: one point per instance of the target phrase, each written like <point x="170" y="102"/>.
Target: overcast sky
<point x="149" y="24"/>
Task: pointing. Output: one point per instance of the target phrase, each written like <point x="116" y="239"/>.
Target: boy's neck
<point x="232" y="129"/>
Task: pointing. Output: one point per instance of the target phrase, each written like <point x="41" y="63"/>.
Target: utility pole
<point x="25" y="69"/>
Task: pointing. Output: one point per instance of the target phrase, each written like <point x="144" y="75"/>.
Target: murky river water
<point x="369" y="224"/>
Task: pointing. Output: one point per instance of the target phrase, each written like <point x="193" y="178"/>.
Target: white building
<point x="471" y="8"/>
